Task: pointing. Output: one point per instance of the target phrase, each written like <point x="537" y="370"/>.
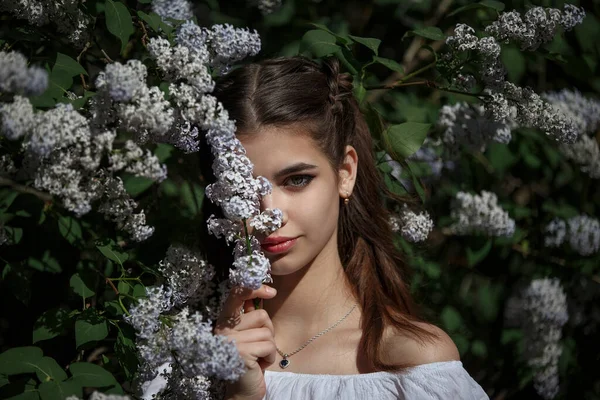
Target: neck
<point x="310" y="300"/>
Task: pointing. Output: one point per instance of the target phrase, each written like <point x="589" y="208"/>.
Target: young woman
<point x="338" y="321"/>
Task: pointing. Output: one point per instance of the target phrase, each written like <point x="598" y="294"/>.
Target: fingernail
<point x="270" y="290"/>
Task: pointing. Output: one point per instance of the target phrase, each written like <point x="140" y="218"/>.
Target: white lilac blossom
<point x="505" y="102"/>
<point x="149" y="115"/>
<point x="101" y="396"/>
<point x="480" y="214"/>
<point x="64" y="14"/>
<point x="180" y="63"/>
<point x="188" y="275"/>
<point x="412" y="226"/>
<point x="541" y="310"/>
<point x="119" y="207"/>
<point x="176" y="9"/>
<point x="16" y="118"/>
<point x="556" y="232"/>
<point x="223" y="227"/>
<point x="199" y="352"/>
<point x="268" y="6"/>
<point x="539" y="25"/>
<point x="17" y="77"/>
<point x="134" y="160"/>
<point x="583" y="111"/>
<point x="59" y="127"/>
<point x="533" y="111"/>
<point x="586" y="153"/>
<point x="144" y="315"/>
<point x="249" y="271"/>
<point x="582" y="232"/>
<point x="585" y="115"/>
<point x="268" y="221"/>
<point x="466" y="125"/>
<point x="123" y="81"/>
<point x="228" y="45"/>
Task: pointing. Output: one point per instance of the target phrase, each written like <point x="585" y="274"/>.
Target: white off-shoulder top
<point x="446" y="380"/>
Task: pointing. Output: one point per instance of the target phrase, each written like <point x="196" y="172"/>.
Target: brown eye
<point x="299" y="181"/>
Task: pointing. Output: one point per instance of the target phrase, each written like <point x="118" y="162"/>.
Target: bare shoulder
<point x="401" y="348"/>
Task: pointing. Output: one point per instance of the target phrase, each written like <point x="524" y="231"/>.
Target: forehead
<point x="273" y="148"/>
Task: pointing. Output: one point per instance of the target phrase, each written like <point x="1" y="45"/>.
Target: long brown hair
<point x="296" y="90"/>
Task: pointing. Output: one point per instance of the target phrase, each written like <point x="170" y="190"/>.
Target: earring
<point x="347" y="199"/>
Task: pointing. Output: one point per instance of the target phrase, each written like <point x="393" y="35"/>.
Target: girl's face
<point x="305" y="189"/>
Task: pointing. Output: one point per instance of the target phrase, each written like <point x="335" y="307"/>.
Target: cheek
<point x="317" y="213"/>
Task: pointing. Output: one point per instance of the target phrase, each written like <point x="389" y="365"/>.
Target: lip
<point x="279" y="247"/>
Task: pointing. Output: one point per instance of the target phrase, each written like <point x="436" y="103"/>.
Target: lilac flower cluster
<point x="585" y="114"/>
<point x="541" y="310"/>
<point x="268" y="6"/>
<point x="480" y="214"/>
<point x="101" y="396"/>
<point x="412" y="226"/>
<point x="539" y="25"/>
<point x="503" y="101"/>
<point x="177" y="342"/>
<point x="17" y="77"/>
<point x="175" y="9"/>
<point x="465" y="124"/>
<point x="222" y="44"/>
<point x="64" y="14"/>
<point x="582" y="233"/>
<point x="62" y="155"/>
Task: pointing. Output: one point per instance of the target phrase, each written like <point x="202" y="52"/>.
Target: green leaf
<point x="163" y="151"/>
<point x="416" y="182"/>
<point x="390" y="64"/>
<point x="118" y="21"/>
<point x="514" y="60"/>
<point x="50" y="324"/>
<point x="68" y="65"/>
<point x="475" y="256"/>
<point x="405" y="139"/>
<point x="14" y="234"/>
<point x="23" y="388"/>
<point x="49" y="370"/>
<point x="136" y="185"/>
<point x="91" y="375"/>
<point x="319" y="43"/>
<point x="496" y="5"/>
<point x="451" y="319"/>
<point x="59" y="390"/>
<point x="479" y="348"/>
<point x="59" y="82"/>
<point x="82" y="284"/>
<point x="110" y="250"/>
<point x="46" y="264"/>
<point x="429" y="32"/>
<point x="20" y="360"/>
<point x="90" y="328"/>
<point x="345" y="40"/>
<point x="371" y="43"/>
<point x="126" y="351"/>
<point x="153" y="20"/>
<point x="70" y="229"/>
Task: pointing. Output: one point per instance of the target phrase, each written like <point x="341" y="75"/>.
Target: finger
<point x="238" y="295"/>
<point x="251" y="335"/>
<point x="265" y="349"/>
<point x="249" y="305"/>
<point x="255" y="319"/>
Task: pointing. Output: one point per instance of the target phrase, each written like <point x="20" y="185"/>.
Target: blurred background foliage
<point x="66" y="282"/>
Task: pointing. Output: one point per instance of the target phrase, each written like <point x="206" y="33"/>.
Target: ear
<point x="347" y="172"/>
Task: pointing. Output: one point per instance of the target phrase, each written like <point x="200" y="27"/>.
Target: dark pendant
<point x="284" y="363"/>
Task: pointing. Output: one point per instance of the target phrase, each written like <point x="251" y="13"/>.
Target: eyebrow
<point x="301" y="166"/>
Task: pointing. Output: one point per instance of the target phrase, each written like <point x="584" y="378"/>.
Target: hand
<point x="254" y="338"/>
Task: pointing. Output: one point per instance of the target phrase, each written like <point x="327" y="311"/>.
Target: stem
<point x="87" y="46"/>
<point x="123" y="307"/>
<point x="25" y="189"/>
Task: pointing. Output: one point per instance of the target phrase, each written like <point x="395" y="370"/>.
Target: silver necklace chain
<point x="285" y="362"/>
